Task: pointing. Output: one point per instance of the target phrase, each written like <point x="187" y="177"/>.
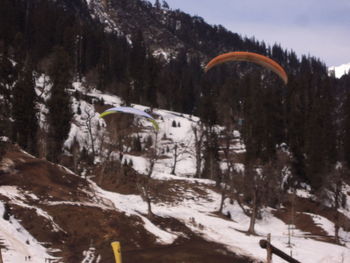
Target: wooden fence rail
<point x="273" y="250"/>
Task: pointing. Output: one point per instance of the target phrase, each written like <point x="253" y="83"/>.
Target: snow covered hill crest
<point x="49" y="212"/>
<point x="339" y="71"/>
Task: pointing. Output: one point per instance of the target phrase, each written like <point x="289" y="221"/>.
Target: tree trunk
<point x="223" y="197"/>
<point x="88" y="124"/>
<point x="198" y="154"/>
<point x="175" y="160"/>
<point x="149" y="208"/>
<point x="251" y="230"/>
<point x="148" y="200"/>
<point x="336" y="206"/>
<point x="198" y="164"/>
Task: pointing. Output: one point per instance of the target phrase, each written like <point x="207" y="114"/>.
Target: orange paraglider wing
<point x="250" y="57"/>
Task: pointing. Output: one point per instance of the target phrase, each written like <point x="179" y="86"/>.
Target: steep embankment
<point x="57" y="214"/>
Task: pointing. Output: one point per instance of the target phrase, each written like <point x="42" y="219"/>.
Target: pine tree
<point x="8" y="75"/>
<point x="151" y="87"/>
<point x="165" y="5"/>
<point x="321" y="136"/>
<point x="59" y="105"/>
<point x="137" y="66"/>
<point x="211" y="167"/>
<point x="346" y="129"/>
<point x="157" y="4"/>
<point x="25" y="123"/>
<point x="253" y="127"/>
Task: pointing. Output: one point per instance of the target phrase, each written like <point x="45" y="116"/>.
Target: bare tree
<point x="90" y="114"/>
<point x="145" y="183"/>
<point x="250" y="196"/>
<point x="3" y="148"/>
<point x="198" y="132"/>
<point x="109" y="143"/>
<point x="43" y="140"/>
<point x="178" y="155"/>
<point x="229" y="172"/>
<point x="75" y="149"/>
<point x="262" y="186"/>
<point x="335" y="188"/>
<point x="253" y="176"/>
<point x="211" y="167"/>
<point x="106" y="150"/>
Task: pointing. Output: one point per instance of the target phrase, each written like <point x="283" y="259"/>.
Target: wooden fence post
<point x="268" y="249"/>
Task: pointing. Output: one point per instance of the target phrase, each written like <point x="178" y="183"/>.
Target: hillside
<point x="239" y="154"/>
<point x="166" y="31"/>
<point x="57" y="214"/>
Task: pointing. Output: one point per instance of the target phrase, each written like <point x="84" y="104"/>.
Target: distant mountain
<point x="339" y="71"/>
<point x="167" y="31"/>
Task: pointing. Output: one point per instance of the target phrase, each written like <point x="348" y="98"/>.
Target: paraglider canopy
<point x="249" y="57"/>
<point x="133" y="111"/>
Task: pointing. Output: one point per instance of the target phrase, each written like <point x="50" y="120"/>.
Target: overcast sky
<point x="320" y="28"/>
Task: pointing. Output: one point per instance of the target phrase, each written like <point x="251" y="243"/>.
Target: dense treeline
<point x="311" y="115"/>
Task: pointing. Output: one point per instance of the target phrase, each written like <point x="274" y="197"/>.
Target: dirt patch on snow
<point x="299" y="214"/>
<point x="187" y="248"/>
<point x="75" y="221"/>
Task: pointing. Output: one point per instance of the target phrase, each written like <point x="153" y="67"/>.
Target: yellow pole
<point x="117" y="252"/>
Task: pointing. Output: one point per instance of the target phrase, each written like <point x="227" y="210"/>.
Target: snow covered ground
<point x="197" y="214"/>
<point x="195" y="211"/>
<point x="340" y="70"/>
<point x="20" y="245"/>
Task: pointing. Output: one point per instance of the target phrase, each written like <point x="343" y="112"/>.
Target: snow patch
<point x="19" y="244"/>
<point x="339" y="71"/>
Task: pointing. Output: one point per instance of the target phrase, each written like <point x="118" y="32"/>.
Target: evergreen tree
<point x="211" y="167"/>
<point x="253" y="127"/>
<point x="137" y="66"/>
<point x="320" y="138"/>
<point x="165" y="5"/>
<point x="345" y="127"/>
<point x="25" y="123"/>
<point x="59" y="105"/>
<point x="157" y="4"/>
<point x="151" y="81"/>
<point x="8" y="75"/>
<point x="137" y="144"/>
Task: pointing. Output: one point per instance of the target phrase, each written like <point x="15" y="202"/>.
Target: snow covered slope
<point x="195" y="207"/>
<point x="19" y="243"/>
<point x="340" y="70"/>
<point x="79" y="219"/>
